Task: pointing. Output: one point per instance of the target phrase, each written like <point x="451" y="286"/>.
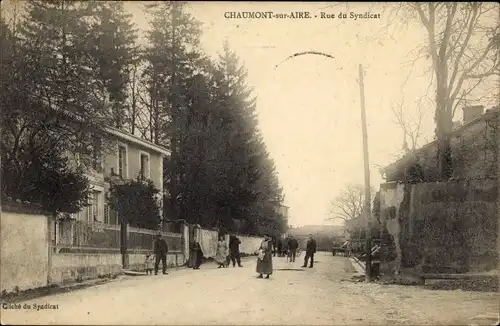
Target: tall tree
<point x="172" y="57"/>
<point x="349" y="203"/>
<point x="33" y="167"/>
<point x="462" y="45"/>
<point x="251" y="175"/>
<point x="56" y="38"/>
<point x="115" y="53"/>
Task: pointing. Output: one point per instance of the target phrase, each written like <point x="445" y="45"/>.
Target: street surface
<point x="233" y="296"/>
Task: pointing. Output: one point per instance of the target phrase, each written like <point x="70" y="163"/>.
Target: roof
<point x="408" y="158"/>
<point x="120" y="134"/>
<point x="137" y="140"/>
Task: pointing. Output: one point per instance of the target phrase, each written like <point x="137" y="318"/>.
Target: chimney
<point x="472" y="112"/>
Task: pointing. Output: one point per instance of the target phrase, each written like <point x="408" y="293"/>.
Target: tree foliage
<point x="461" y="46"/>
<point x="219" y="171"/>
<point x="35" y="136"/>
<point x="44" y="177"/>
<point x="71" y="68"/>
<point x="136" y="203"/>
<point x="114" y="49"/>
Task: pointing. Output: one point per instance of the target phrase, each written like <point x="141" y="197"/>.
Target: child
<point x="149" y="264"/>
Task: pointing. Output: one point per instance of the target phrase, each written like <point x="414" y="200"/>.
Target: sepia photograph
<point x="249" y="163"/>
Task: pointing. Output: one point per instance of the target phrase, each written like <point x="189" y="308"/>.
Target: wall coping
<point x="153" y="232"/>
<point x="26" y="208"/>
<point x="72" y="250"/>
<point x="142" y="251"/>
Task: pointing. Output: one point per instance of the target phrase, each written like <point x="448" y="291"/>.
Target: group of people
<point x="267" y="249"/>
<point x="226" y="254"/>
<point x="287" y="247"/>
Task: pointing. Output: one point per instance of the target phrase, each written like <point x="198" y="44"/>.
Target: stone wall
<point x="24" y="245"/>
<point x="71" y="267"/>
<point x="136" y="260"/>
<point x="35" y="254"/>
<point x="439" y="227"/>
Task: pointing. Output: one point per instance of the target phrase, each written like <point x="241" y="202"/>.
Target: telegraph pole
<point x="366" y="159"/>
<point x="367" y="203"/>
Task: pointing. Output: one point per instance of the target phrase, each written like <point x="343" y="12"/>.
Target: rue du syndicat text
<point x="322" y="15"/>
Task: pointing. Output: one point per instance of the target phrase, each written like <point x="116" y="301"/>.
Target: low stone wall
<point x="448" y="227"/>
<point x="24" y="245"/>
<point x="136" y="260"/>
<point x="71" y="267"/>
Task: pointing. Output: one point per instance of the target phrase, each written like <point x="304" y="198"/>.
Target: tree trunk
<point x="444" y="126"/>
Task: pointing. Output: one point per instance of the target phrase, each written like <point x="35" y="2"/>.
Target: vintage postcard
<point x="249" y="163"/>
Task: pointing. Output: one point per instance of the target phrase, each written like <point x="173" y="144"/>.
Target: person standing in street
<point x="293" y="245"/>
<point x="279" y="247"/>
<point x="160" y="250"/>
<point x="222" y="251"/>
<point x="265" y="259"/>
<point x="197" y="254"/>
<point x="286" y="247"/>
<point x="310" y="251"/>
<point x="234" y="250"/>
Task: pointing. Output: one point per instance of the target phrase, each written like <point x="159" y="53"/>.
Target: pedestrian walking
<point x="234" y="250"/>
<point x="293" y="245"/>
<point x="280" y="247"/>
<point x="310" y="251"/>
<point x="222" y="252"/>
<point x="148" y="262"/>
<point x="160" y="250"/>
<point x="285" y="247"/>
<point x="265" y="259"/>
<point x="197" y="253"/>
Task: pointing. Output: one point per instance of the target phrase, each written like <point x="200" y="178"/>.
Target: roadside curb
<point x="57" y="289"/>
<point x="74" y="286"/>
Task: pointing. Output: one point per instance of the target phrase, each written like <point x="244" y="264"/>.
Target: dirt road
<point x="233" y="296"/>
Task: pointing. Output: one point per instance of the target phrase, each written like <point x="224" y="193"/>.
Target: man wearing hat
<point x="160" y="249"/>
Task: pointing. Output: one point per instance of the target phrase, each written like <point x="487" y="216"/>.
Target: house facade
<point x="474" y="147"/>
<point x="434" y="226"/>
<point x="125" y="157"/>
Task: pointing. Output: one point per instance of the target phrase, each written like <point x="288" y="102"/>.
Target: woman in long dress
<point x="265" y="259"/>
<point x="222" y="252"/>
<point x="197" y="255"/>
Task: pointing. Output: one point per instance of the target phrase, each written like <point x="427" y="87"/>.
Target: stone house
<point x="474" y="146"/>
<point x="444" y="227"/>
<point x="126" y="157"/>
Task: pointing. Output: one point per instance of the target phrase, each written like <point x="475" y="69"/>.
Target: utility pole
<point x="366" y="159"/>
<point x="367" y="204"/>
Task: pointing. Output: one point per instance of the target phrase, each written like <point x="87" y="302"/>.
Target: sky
<point x="309" y="107"/>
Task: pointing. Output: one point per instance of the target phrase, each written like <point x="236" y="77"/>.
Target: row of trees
<point x="85" y="58"/>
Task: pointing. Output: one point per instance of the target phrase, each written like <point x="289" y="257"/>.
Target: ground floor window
<point x="93" y="209"/>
